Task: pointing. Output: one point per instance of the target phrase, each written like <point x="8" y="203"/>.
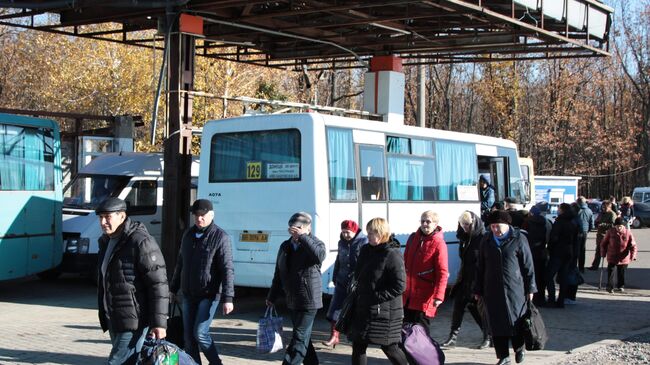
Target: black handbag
<point x="532" y="328"/>
<point x="344" y="322"/>
<point x="175" y="325"/>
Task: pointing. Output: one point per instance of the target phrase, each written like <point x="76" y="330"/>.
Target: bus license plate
<point x="254" y="237"/>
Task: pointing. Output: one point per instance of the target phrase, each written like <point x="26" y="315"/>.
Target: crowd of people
<point x="508" y="257"/>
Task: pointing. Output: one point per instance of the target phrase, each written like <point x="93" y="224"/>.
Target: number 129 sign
<point x="254" y="170"/>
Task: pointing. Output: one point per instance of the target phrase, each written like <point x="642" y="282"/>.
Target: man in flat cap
<point x="205" y="274"/>
<point x="297" y="273"/>
<point x="133" y="296"/>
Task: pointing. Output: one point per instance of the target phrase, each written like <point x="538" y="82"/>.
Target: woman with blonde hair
<point x="378" y="313"/>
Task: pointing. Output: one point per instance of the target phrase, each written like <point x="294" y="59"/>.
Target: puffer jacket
<point x="378" y="312"/>
<point x="204" y="268"/>
<point x="297" y="273"/>
<point x="138" y="294"/>
<point x="425" y="258"/>
<point x="468" y="249"/>
<point x="346" y="259"/>
<point x="619" y="247"/>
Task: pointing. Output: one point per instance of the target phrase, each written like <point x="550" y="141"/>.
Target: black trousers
<point x="582" y="247"/>
<point x="413" y="316"/>
<point x="501" y="344"/>
<point x="620" y="275"/>
<point x="540" y="260"/>
<point x="392" y="351"/>
<point x="462" y="301"/>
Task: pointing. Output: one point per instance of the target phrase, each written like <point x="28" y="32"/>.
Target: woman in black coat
<point x="505" y="280"/>
<point x="381" y="279"/>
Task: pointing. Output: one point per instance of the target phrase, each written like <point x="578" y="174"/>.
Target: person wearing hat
<point x="487" y="194"/>
<point x="350" y="243"/>
<point x="205" y="274"/>
<point x="133" y="295"/>
<point x="297" y="274"/>
<point x="619" y="248"/>
<point x="505" y="280"/>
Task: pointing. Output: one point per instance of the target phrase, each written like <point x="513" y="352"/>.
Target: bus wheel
<point x="51" y="274"/>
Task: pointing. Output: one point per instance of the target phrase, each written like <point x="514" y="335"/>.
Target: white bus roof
<point x="131" y="164"/>
<point x="246" y="123"/>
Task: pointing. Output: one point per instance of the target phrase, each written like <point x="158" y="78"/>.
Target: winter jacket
<point x="346" y="259"/>
<point x="619" y="247"/>
<point x="539" y="231"/>
<point x="504" y="277"/>
<point x="204" y="268"/>
<point x="487" y="199"/>
<point x="585" y="218"/>
<point x="297" y="273"/>
<point x="627" y="212"/>
<point x="605" y="221"/>
<point x="468" y="249"/>
<point x="425" y="258"/>
<point x="137" y="294"/>
<point x="563" y="240"/>
<point x="378" y="312"/>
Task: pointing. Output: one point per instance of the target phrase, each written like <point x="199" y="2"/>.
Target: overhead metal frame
<point x="334" y="34"/>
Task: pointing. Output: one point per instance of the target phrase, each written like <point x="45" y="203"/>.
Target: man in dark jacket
<point x="487" y="194"/>
<point x="133" y="295"/>
<point x="561" y="248"/>
<point x="585" y="220"/>
<point x="204" y="271"/>
<point x="505" y="280"/>
<point x="539" y="232"/>
<point x="297" y="273"/>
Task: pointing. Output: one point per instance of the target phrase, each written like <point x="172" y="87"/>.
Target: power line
<point x="618" y="173"/>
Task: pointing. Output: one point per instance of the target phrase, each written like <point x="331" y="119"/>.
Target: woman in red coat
<point x="619" y="248"/>
<point x="427" y="271"/>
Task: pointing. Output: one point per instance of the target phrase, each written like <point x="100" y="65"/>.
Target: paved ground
<point x="56" y="323"/>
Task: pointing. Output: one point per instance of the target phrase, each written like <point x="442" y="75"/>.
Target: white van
<point x="641" y="194"/>
<point x="135" y="177"/>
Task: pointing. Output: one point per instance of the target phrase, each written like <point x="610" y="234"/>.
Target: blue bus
<point x="30" y="196"/>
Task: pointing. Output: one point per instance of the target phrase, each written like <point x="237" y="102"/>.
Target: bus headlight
<point x="78" y="245"/>
<point x="83" y="245"/>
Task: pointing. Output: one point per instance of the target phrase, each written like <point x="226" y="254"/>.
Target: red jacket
<point x="618" y="247"/>
<point x="427" y="271"/>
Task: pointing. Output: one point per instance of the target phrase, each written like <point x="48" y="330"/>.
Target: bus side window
<point x="373" y="177"/>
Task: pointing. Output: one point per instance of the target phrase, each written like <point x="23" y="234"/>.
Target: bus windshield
<point x="87" y="191"/>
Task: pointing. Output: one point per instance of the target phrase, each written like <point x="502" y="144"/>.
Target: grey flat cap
<point x="111" y="205"/>
<point x="300" y="218"/>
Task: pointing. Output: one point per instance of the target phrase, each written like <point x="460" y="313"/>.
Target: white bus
<point x="259" y="170"/>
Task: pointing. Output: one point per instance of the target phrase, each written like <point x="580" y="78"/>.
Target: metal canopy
<point x="326" y="34"/>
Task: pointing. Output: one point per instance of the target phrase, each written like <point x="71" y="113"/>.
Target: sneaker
<point x="620" y="290"/>
<point x="610" y="290"/>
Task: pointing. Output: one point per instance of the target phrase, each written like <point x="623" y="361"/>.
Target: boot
<point x="334" y="338"/>
<point x="487" y="342"/>
<point x="451" y="341"/>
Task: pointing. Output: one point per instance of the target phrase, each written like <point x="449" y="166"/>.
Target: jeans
<point x="300" y="348"/>
<point x="197" y="317"/>
<point x="126" y="346"/>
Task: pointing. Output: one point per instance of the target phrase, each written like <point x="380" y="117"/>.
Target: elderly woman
<point x="505" y="280"/>
<point x="470" y="233"/>
<point x="381" y="280"/>
<point x="619" y="248"/>
<point x="352" y="239"/>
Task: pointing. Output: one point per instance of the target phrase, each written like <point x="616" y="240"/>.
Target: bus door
<point x="372" y="183"/>
<point x="495" y="167"/>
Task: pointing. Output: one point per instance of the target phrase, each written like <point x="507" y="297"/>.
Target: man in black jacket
<point x="205" y="272"/>
<point x="133" y="295"/>
<point x="297" y="273"/>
